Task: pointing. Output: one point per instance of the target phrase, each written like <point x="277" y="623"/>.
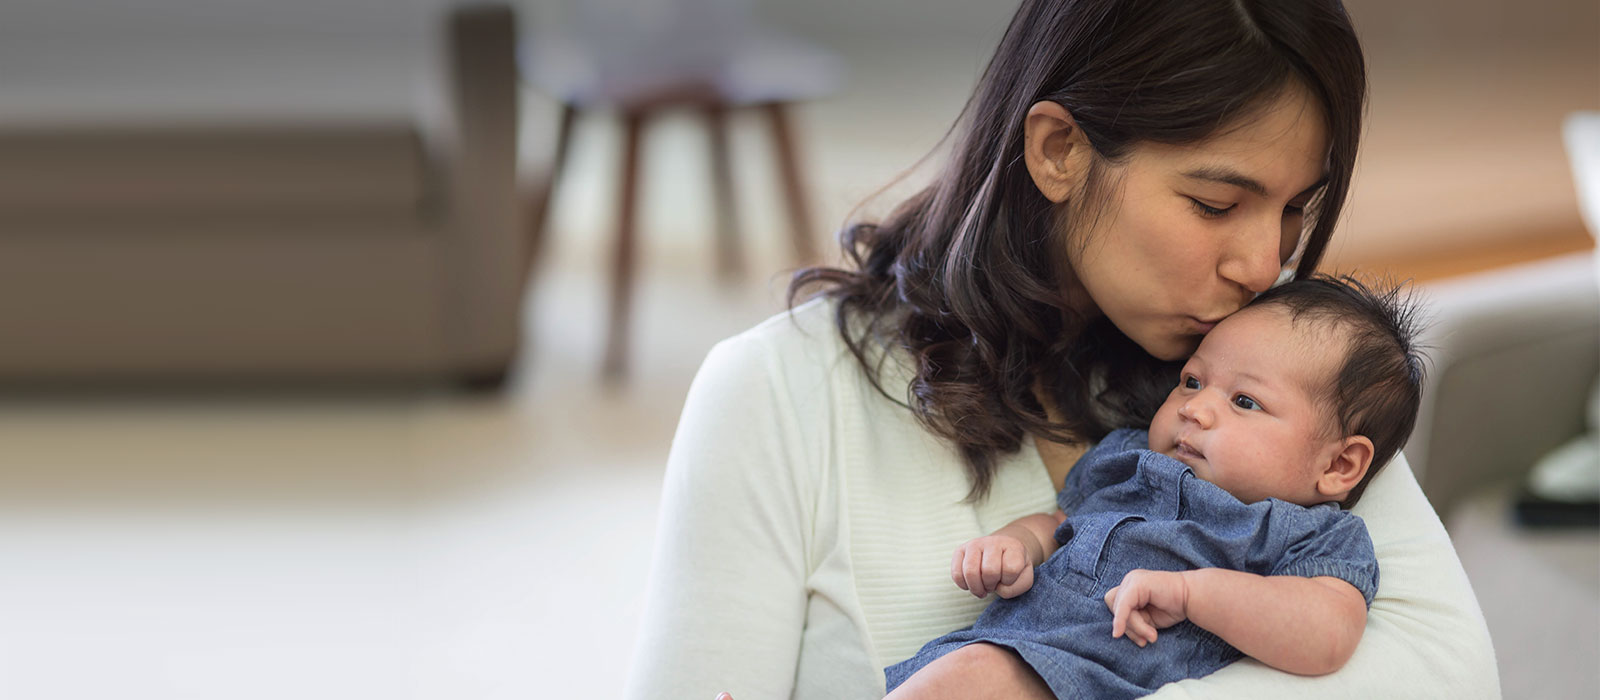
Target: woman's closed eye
<point x="1210" y="212"/>
<point x="1246" y="403"/>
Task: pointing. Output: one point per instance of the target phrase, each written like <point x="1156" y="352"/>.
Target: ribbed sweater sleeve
<point x="725" y="605"/>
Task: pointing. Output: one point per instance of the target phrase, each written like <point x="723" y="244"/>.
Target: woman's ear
<point x="1056" y="151"/>
<point x="1351" y="457"/>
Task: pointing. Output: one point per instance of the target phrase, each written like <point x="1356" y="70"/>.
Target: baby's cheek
<point x="1161" y="432"/>
<point x="1166" y="419"/>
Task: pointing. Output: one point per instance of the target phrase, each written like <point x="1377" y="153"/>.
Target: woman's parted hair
<point x="963" y="277"/>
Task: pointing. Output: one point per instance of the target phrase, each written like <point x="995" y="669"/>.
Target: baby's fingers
<point x="1128" y="620"/>
<point x="1139" y="623"/>
<point x="1022" y="585"/>
<point x="1119" y="613"/>
<point x="972" y="570"/>
<point x="956" y="573"/>
<point x="1012" y="563"/>
<point x="993" y="567"/>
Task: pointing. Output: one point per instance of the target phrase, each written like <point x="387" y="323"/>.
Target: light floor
<point x="430" y="547"/>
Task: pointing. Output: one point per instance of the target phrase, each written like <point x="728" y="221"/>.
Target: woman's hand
<point x="993" y="564"/>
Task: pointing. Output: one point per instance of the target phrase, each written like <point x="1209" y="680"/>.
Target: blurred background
<point x="344" y="340"/>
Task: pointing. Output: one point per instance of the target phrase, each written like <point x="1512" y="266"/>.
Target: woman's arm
<point x="1425" y="635"/>
<point x="725" y="604"/>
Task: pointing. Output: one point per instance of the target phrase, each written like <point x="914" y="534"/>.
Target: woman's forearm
<point x="1301" y="625"/>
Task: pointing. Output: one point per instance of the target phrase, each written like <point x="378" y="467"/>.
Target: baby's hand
<point x="993" y="564"/>
<point x="1147" y="601"/>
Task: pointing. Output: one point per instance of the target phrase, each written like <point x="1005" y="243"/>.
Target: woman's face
<point x="1192" y="233"/>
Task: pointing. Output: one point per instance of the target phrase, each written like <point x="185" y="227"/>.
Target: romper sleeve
<point x="1425" y="635"/>
<point x="1326" y="541"/>
<point x="725" y="602"/>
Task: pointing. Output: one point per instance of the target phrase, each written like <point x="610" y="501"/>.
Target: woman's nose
<point x="1252" y="262"/>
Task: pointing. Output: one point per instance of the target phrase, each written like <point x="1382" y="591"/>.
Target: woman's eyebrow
<point x="1229" y="176"/>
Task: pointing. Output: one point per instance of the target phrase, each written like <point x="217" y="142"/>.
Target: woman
<point x="1127" y="173"/>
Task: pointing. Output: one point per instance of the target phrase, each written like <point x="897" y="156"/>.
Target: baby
<point x="1225" y="538"/>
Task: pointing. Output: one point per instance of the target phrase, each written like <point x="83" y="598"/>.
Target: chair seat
<point x="752" y="69"/>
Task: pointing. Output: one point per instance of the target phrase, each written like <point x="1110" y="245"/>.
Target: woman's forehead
<point x="1281" y="152"/>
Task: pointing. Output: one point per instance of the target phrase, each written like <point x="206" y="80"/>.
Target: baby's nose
<point x="1195" y="409"/>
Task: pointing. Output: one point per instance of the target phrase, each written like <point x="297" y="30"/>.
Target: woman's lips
<point x="1203" y="326"/>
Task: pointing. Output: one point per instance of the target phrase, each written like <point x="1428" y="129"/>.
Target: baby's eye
<point x="1190" y="382"/>
<point x="1246" y="403"/>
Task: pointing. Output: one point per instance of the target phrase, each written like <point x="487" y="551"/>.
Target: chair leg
<point x="730" y="259"/>
<point x="539" y="210"/>
<point x="794" y="192"/>
<point x="622" y="269"/>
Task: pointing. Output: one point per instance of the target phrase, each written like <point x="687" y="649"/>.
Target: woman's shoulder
<point x="810" y="323"/>
<point x="785" y="366"/>
<point x="802" y="344"/>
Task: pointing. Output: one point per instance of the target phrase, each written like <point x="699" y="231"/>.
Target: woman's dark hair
<point x="1377" y="388"/>
<point x="963" y="278"/>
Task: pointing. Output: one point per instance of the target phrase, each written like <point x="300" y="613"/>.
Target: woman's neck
<point x="1058" y="457"/>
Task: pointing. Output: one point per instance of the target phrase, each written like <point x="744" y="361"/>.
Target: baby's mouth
<point x="1186" y="453"/>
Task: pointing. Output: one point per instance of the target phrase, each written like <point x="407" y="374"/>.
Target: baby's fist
<point x="993" y="564"/>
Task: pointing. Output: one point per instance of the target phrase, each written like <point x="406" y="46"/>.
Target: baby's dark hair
<point x="1378" y="388"/>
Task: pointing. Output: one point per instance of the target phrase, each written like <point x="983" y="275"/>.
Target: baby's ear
<point x="1349" y="460"/>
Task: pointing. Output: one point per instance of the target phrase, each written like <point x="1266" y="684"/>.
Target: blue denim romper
<point x="1129" y="508"/>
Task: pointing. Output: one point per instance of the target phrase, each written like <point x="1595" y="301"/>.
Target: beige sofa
<point x="304" y="241"/>
<point x="1514" y="354"/>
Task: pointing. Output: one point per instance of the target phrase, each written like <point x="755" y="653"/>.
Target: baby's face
<point x="1245" y="414"/>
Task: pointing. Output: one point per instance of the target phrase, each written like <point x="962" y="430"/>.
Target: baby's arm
<point x="1308" y="626"/>
<point x="1003" y="562"/>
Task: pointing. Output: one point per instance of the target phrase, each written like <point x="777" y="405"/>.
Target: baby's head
<point x="1302" y="395"/>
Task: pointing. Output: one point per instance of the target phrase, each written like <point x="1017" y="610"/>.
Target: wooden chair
<point x="705" y="55"/>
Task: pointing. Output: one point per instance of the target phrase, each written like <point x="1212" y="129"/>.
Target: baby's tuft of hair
<point x="1377" y="389"/>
